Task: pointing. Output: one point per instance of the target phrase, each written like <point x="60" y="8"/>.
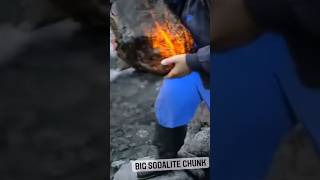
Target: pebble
<point x="142" y="133"/>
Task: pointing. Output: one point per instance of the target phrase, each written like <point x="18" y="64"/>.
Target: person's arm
<point x="199" y="61"/>
<point x="176" y="6"/>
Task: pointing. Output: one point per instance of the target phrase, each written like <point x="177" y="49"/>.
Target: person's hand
<point x="232" y="24"/>
<point x="180" y="66"/>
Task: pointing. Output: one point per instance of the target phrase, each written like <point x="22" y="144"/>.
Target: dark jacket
<point x="299" y="22"/>
<point x="195" y="16"/>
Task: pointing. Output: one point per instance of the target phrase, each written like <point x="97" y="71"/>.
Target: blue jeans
<point x="179" y="99"/>
<point x="257" y="98"/>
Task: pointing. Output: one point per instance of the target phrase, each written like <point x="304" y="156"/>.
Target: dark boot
<point x="168" y="142"/>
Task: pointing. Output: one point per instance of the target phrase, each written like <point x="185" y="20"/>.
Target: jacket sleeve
<point x="286" y="15"/>
<point x="176" y="6"/>
<point x="200" y="61"/>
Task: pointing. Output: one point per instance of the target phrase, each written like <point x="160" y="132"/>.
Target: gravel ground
<point x="132" y="120"/>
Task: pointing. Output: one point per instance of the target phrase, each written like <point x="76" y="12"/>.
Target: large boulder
<point x="147" y="32"/>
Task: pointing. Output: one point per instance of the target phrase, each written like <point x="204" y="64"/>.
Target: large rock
<point x="147" y="32"/>
<point x="197" y="141"/>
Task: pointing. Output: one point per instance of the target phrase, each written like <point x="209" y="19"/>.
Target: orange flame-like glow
<point x="170" y="39"/>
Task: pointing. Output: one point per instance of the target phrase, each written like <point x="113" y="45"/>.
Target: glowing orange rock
<point x="146" y="32"/>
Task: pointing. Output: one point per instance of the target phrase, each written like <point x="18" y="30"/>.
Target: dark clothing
<point x="257" y="99"/>
<point x="195" y="16"/>
<point x="298" y="21"/>
<point x="168" y="142"/>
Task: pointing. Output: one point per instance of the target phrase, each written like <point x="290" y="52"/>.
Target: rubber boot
<point x="168" y="141"/>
